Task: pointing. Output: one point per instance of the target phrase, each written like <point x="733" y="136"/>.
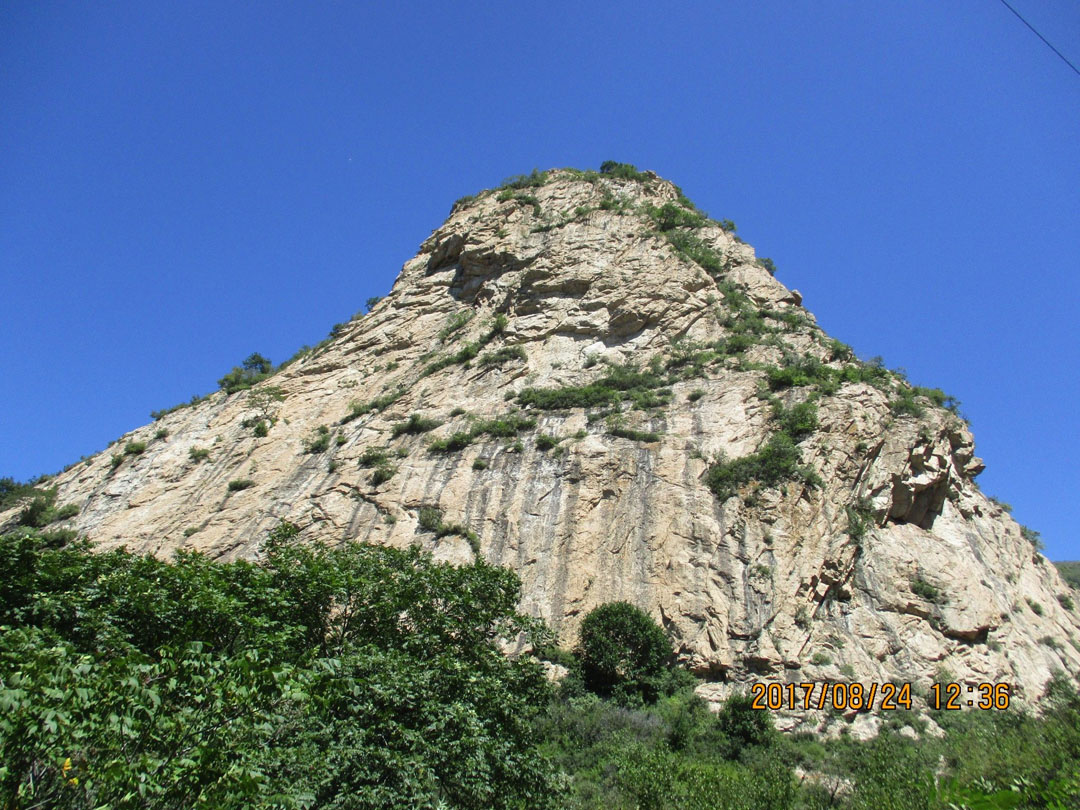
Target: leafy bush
<point x="798" y="421"/>
<point x="504" y="355"/>
<point x="578" y="396"/>
<point x="382" y="473"/>
<point x="12" y="491"/>
<point x="452" y="443"/>
<point x="625" y="382"/>
<point x="455" y="324"/>
<point x="1033" y="537"/>
<point x="620" y="430"/>
<point x="373" y="456"/>
<point x="670" y="216"/>
<point x="861" y="519"/>
<point x="623" y="653"/>
<point x="1036" y="608"/>
<point x="416" y="424"/>
<point x="546" y="442"/>
<point x="134" y="448"/>
<point x="430" y="518"/>
<point x="926" y="591"/>
<point x="1070" y="572"/>
<point x="379" y="403"/>
<point x="240" y="483"/>
<point x="695" y="250"/>
<point x="198" y="454"/>
<point x="778" y="461"/>
<point x="507" y="426"/>
<point x="799" y="371"/>
<point x="42" y="510"/>
<point x="622" y="171"/>
<point x="319" y="441"/>
<point x="254" y="369"/>
<point x="469" y="350"/>
<point x="534" y="179"/>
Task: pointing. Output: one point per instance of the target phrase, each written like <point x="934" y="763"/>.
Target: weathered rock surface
<point x="768" y="584"/>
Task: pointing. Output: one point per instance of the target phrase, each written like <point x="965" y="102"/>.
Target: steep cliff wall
<point x="785" y="510"/>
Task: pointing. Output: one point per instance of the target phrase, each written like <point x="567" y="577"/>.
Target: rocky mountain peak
<point x="583" y="377"/>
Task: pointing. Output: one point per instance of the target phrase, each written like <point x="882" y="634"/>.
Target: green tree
<point x="623" y="653"/>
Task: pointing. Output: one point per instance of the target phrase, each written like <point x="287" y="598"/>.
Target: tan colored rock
<point x="758" y="587"/>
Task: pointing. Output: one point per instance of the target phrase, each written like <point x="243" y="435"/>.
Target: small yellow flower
<point x="66" y="766"/>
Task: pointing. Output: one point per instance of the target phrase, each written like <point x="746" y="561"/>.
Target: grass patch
<point x="382" y="473"/>
<point x="620" y="383"/>
<point x="198" y="454"/>
<point x="430" y="519"/>
<point x="924" y="590"/>
<point x="545" y="442"/>
<point x="616" y="428"/>
<point x="504" y="355"/>
<point x="455" y="324"/>
<point x="415" y="424"/>
<point x="507" y="426"/>
<point x="319" y="441"/>
<point x="379" y="403"/>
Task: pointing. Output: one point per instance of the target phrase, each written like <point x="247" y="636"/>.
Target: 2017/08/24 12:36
<point x="859" y="697"/>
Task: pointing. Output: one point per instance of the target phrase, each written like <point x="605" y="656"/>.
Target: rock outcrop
<point x="867" y="552"/>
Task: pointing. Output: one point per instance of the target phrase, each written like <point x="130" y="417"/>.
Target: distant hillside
<point x="1070" y="572"/>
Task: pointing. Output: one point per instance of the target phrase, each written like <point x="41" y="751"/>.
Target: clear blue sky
<point x="183" y="184"/>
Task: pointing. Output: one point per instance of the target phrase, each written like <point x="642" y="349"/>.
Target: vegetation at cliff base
<point x="352" y="677"/>
<point x="369" y="677"/>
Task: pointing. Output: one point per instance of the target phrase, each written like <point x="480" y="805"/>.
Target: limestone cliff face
<point x="894" y="565"/>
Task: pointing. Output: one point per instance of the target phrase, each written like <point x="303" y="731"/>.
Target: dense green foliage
<point x="369" y="677"/>
<point x="501" y="427"/>
<point x="254" y="369"/>
<point x="624" y="654"/>
<point x="12" y="491"/>
<point x="620" y="383"/>
<point x="778" y="461"/>
<point x="676" y="755"/>
<point x="356" y="677"/>
<point x="42" y="509"/>
<point x="1070" y="572"/>
<point x="416" y="423"/>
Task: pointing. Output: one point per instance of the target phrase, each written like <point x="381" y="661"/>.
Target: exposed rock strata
<point x="769" y="583"/>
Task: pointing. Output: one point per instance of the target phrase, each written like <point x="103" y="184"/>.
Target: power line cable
<point x="1040" y="36"/>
